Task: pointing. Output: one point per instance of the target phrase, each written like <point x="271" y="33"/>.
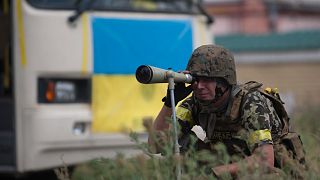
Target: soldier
<point x="242" y="117"/>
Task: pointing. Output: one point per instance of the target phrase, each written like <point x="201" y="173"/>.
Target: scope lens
<point x="144" y="74"/>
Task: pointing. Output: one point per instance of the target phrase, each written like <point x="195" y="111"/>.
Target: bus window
<point x="173" y="6"/>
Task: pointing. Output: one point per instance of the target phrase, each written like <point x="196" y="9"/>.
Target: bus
<point x="68" y="91"/>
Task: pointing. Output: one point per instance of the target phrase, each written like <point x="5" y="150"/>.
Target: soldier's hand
<point x="180" y="92"/>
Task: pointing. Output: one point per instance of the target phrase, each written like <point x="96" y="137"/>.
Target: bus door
<point x="7" y="130"/>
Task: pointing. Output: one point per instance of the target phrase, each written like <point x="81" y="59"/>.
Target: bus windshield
<point x="166" y="6"/>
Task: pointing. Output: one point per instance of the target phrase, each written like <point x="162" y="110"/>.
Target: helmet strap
<point x="219" y="94"/>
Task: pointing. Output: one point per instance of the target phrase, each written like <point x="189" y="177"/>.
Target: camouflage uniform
<point x="248" y="119"/>
<point x="257" y="124"/>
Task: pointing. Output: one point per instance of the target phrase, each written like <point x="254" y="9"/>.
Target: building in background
<point x="263" y="16"/>
<point x="276" y="42"/>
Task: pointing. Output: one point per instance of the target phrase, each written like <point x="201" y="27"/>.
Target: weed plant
<point x="194" y="164"/>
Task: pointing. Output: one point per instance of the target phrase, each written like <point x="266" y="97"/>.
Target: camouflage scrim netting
<point x="213" y="61"/>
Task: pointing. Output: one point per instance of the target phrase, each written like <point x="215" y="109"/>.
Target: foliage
<point x="307" y="123"/>
<point x="194" y="165"/>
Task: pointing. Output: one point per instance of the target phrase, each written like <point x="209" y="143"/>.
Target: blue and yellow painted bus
<point x="68" y="92"/>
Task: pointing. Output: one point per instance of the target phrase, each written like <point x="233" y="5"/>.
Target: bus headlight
<point x="58" y="90"/>
<point x="65" y="91"/>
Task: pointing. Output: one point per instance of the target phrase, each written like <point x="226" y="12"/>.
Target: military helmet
<point x="214" y="62"/>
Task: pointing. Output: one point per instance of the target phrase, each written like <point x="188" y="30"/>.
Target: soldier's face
<point x="204" y="88"/>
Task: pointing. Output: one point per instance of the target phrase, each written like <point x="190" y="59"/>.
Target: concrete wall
<point x="298" y="83"/>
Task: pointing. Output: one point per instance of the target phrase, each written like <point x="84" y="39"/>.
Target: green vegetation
<point x="193" y="165"/>
<point x="308" y="125"/>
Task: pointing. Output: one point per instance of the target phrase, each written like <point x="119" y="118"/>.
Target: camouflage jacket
<point x="242" y="125"/>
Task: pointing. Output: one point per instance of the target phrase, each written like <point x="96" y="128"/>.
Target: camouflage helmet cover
<point x="213" y="61"/>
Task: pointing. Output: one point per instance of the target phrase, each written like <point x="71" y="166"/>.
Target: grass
<point x="308" y="125"/>
<point x="193" y="165"/>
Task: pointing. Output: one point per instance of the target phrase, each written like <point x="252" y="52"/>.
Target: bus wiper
<point x="210" y="19"/>
<point x="81" y="7"/>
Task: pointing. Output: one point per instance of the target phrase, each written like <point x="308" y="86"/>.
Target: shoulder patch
<point x="184" y="114"/>
<point x="259" y="135"/>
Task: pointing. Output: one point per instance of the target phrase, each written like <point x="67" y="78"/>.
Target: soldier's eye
<point x="195" y="78"/>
